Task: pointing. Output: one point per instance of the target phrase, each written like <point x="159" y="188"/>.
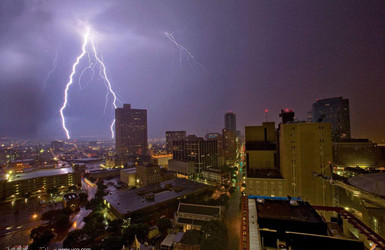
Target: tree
<point x="164" y="224"/>
<point x="83" y="197"/>
<point x="53" y="191"/>
<point x="94" y="224"/>
<point x="140" y="230"/>
<point x="216" y="235"/>
<point x="61" y="222"/>
<point x="66" y="211"/>
<point x="113" y="242"/>
<point x="41" y="237"/>
<point x="223" y="199"/>
<point x="95" y="204"/>
<point x="92" y="179"/>
<point x="49" y="215"/>
<point x="101" y="186"/>
<point x="115" y="226"/>
<point x="76" y="238"/>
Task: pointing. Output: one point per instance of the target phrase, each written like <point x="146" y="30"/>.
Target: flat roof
<point x="129" y="170"/>
<point x="191" y="221"/>
<point x="40" y="173"/>
<point x="168" y="241"/>
<point x="283" y="210"/>
<point x="127" y="201"/>
<point x="199" y="209"/>
<point x="372" y="183"/>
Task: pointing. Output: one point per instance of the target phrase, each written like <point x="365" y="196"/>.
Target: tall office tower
<point x="229" y="146"/>
<point x="173" y="136"/>
<point x="131" y="131"/>
<point x="230" y="122"/>
<point x="203" y="152"/>
<point x="216" y="137"/>
<point x="305" y="156"/>
<point x="336" y="111"/>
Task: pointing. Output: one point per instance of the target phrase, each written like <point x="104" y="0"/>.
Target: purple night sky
<point x="256" y="55"/>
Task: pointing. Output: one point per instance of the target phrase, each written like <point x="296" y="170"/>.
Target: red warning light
<point x="266" y="110"/>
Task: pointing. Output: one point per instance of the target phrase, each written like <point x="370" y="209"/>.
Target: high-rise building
<point x="229" y="146"/>
<point x="336" y="111"/>
<point x="203" y="152"/>
<point x="173" y="136"/>
<point x="216" y="137"/>
<point x="262" y="161"/>
<point x="230" y="122"/>
<point x="131" y="131"/>
<point x="305" y="156"/>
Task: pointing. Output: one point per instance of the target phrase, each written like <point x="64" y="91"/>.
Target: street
<point x="233" y="212"/>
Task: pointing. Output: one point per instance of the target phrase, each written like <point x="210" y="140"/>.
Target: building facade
<point x="147" y="175"/>
<point x="183" y="169"/>
<point x="261" y="148"/>
<point x="355" y="153"/>
<point x="38" y="182"/>
<point x="203" y="152"/>
<point x="230" y="122"/>
<point x="305" y="157"/>
<point x="173" y="136"/>
<point x="336" y="111"/>
<point x="131" y="131"/>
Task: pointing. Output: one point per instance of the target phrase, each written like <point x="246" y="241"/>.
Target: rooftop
<point x="283" y="210"/>
<point x="40" y="173"/>
<point x="372" y="183"/>
<point x="127" y="201"/>
<point x="129" y="170"/>
<point x="199" y="209"/>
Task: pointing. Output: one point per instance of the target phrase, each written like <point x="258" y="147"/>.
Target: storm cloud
<point x="255" y="54"/>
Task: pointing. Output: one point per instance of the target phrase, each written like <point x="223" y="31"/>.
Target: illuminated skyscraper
<point x="336" y="111"/>
<point x="131" y="131"/>
<point x="230" y="122"/>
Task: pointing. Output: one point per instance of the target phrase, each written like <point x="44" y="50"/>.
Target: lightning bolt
<point x="53" y="68"/>
<point x="102" y="72"/>
<point x="91" y="67"/>
<point x="183" y="51"/>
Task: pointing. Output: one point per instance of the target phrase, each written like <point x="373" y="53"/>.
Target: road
<point x="233" y="214"/>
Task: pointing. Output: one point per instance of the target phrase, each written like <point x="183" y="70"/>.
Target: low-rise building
<point x="128" y="176"/>
<point x="155" y="197"/>
<point x="147" y="175"/>
<point x="161" y="160"/>
<point x="192" y="216"/>
<point x="355" y="153"/>
<point x="216" y="176"/>
<point x="71" y="201"/>
<point x="38" y="182"/>
<point x="183" y="169"/>
<point x="287" y="223"/>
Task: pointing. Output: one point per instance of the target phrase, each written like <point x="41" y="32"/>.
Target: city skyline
<point x="276" y="60"/>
